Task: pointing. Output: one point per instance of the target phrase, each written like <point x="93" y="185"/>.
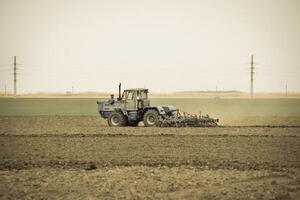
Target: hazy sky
<point x="165" y="45"/>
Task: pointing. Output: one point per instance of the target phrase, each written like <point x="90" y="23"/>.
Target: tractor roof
<point x="136" y="89"/>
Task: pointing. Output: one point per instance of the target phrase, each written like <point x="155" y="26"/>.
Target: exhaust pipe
<point x="119" y="92"/>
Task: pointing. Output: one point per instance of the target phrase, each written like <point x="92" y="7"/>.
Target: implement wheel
<point x="151" y="118"/>
<point x="116" y="119"/>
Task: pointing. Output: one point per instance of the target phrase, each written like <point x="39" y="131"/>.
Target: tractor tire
<point x="151" y="118"/>
<point x="133" y="124"/>
<point x="116" y="119"/>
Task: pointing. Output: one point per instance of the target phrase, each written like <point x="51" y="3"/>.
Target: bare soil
<point x="141" y="182"/>
<point x="69" y="125"/>
<point x="67" y="157"/>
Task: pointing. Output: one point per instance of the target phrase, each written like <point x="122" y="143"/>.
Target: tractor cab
<point x="135" y="99"/>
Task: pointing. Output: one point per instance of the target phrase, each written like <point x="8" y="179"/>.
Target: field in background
<point x="215" y="107"/>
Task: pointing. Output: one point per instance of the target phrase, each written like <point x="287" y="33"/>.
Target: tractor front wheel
<point x="151" y="118"/>
<point x="116" y="119"/>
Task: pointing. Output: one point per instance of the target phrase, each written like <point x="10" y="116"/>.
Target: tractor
<point x="132" y="107"/>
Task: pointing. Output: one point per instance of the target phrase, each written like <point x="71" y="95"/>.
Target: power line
<point x="187" y="71"/>
<point x="15" y="76"/>
<point x="251" y="76"/>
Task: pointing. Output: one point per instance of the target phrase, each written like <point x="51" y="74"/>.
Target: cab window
<point x="130" y="95"/>
<point x="143" y="95"/>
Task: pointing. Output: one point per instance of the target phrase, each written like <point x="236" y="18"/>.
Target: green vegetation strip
<point x="214" y="107"/>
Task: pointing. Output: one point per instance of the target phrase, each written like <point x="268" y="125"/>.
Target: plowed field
<point x="80" y="157"/>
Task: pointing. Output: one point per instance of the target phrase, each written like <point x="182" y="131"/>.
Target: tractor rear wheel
<point x="116" y="119"/>
<point x="151" y="118"/>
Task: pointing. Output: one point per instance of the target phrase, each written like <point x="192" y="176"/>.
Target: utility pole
<point x="5" y="90"/>
<point x="286" y="90"/>
<point x="15" y="76"/>
<point x="251" y="76"/>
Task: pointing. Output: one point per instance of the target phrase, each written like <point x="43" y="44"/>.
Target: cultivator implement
<point x="184" y="119"/>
